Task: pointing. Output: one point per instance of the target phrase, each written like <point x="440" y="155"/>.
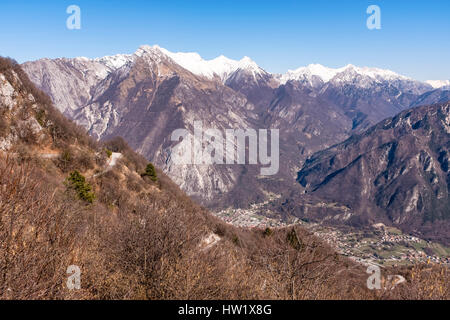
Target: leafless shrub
<point x="423" y="282"/>
<point x="36" y="236"/>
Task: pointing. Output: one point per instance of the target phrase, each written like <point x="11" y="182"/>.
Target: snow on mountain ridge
<point x="437" y="84"/>
<point x="116" y="61"/>
<point x="327" y="74"/>
<point x="306" y="73"/>
<point x="191" y="61"/>
<point x="220" y="66"/>
<point x="224" y="67"/>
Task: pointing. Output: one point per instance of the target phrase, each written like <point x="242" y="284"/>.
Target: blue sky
<point x="278" y="35"/>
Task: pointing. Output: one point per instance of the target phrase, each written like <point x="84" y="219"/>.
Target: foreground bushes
<point x="38" y="235"/>
<point x="148" y="245"/>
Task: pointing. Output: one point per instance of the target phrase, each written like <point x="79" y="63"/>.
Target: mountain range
<point x="145" y="96"/>
<point x="103" y="210"/>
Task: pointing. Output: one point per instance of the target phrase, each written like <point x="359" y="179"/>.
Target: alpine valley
<point x="358" y="146"/>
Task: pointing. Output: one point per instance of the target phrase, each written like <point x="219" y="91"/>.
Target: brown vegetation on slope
<point x="148" y="245"/>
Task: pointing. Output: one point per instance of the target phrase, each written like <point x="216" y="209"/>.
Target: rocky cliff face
<point x="18" y="109"/>
<point x="397" y="172"/>
<point x="71" y="83"/>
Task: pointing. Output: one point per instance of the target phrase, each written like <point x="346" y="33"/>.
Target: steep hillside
<point x="432" y="97"/>
<point x="397" y="173"/>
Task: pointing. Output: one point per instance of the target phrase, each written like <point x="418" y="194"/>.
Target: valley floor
<point x="380" y="244"/>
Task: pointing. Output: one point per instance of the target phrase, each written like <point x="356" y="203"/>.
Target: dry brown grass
<point x="146" y="245"/>
<point x="37" y="235"/>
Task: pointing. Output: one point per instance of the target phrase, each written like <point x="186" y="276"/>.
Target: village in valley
<point x="377" y="244"/>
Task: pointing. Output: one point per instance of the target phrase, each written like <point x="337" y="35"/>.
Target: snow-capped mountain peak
<point x="376" y="73"/>
<point x="317" y="72"/>
<point x="223" y="68"/>
<point x="327" y="74"/>
<point x="437" y="84"/>
<point x="116" y="61"/>
<point x="155" y="52"/>
<point x="324" y="73"/>
<point x="247" y="63"/>
<point x="220" y="67"/>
